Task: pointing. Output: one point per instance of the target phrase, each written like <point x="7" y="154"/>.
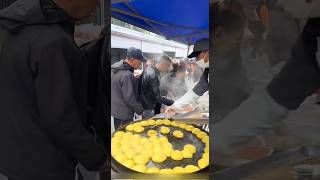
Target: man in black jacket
<point x="124" y="97"/>
<point x="43" y="92"/>
<point x="99" y="66"/>
<point x="151" y="86"/>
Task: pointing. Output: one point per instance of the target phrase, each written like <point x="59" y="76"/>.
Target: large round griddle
<point x="177" y="144"/>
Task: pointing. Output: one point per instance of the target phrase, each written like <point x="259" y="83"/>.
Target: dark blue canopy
<point x="184" y="21"/>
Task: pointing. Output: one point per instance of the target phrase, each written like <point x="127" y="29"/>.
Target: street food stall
<point x="160" y="145"/>
<point x="185" y="134"/>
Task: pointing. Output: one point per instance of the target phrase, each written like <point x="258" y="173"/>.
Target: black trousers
<point x="157" y="109"/>
<point x="120" y="122"/>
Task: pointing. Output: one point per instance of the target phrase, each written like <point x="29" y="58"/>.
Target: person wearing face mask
<point x="201" y="55"/>
<point x="298" y="79"/>
<point x="124" y="97"/>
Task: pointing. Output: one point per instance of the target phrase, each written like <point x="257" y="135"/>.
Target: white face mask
<point x="300" y="8"/>
<point x="202" y="64"/>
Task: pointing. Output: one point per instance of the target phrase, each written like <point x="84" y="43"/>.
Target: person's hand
<point x="163" y="109"/>
<point x="186" y="108"/>
<point x="137" y="73"/>
<point x="173" y="110"/>
<point x="170" y="112"/>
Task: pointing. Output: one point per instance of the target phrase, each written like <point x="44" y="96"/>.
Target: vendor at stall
<point x="201" y="55"/>
<point x="231" y="85"/>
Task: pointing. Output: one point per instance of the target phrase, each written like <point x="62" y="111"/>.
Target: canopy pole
<point x="146" y="21"/>
<point x="188" y="50"/>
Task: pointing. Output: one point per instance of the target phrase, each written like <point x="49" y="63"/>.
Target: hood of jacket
<point x="24" y="13"/>
<point x="121" y="65"/>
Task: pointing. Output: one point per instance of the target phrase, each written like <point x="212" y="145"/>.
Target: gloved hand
<point x="182" y="104"/>
<point x="189" y="98"/>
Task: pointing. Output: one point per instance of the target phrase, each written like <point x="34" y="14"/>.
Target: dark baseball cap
<point x="201" y="45"/>
<point x="136" y="54"/>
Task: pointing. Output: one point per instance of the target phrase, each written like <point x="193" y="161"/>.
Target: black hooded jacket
<point x="150" y="90"/>
<point x="43" y="77"/>
<point x="99" y="67"/>
<point x="124" y="95"/>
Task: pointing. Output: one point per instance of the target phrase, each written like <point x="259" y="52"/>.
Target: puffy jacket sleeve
<point x="203" y="85"/>
<point x="155" y="85"/>
<point x="59" y="115"/>
<point x="129" y="96"/>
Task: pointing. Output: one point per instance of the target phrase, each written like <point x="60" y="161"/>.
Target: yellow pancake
<point x="130" y="127"/>
<point x="166" y="171"/>
<point x="128" y="163"/>
<point x="201" y="134"/>
<point x="164" y="130"/>
<point x="121" y="158"/>
<point x="178" y="170"/>
<point x="186" y="154"/>
<point x="189" y="128"/>
<point x="144" y="123"/>
<point x="167" y="122"/>
<point x="152" y="133"/>
<point x="151" y="122"/>
<point x="159" y="157"/>
<point x="177" y="155"/>
<point x="182" y="125"/>
<point x="138" y="129"/>
<point x="130" y="153"/>
<point x="140" y="168"/>
<point x="153" y="170"/>
<point x="119" y="134"/>
<point x="141" y="159"/>
<point x="190" y="148"/>
<point x="202" y="163"/>
<point x="178" y="134"/>
<point x="191" y="168"/>
<point x="196" y="130"/>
